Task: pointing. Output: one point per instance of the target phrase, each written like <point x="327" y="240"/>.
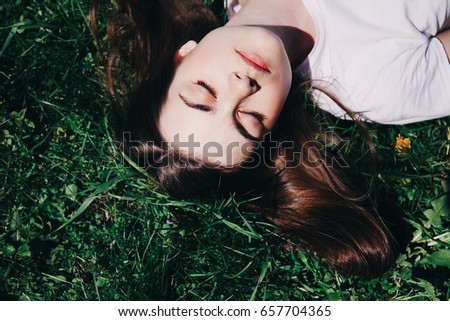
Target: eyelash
<point x="260" y="118"/>
<point x="208" y="87"/>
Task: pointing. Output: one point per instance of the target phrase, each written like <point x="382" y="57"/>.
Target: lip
<point x="254" y="60"/>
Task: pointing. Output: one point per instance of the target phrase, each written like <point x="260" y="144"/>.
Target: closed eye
<point x="259" y="117"/>
<point x="191" y="104"/>
<point x="208" y="87"/>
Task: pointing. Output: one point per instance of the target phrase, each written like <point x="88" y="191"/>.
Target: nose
<point x="244" y="85"/>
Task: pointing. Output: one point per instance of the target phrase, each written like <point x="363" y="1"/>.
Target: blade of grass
<point x="99" y="190"/>
<point x="238" y="229"/>
<point x="262" y="275"/>
<point x="20" y="27"/>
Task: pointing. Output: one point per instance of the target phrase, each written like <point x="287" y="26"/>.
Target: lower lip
<point x="256" y="61"/>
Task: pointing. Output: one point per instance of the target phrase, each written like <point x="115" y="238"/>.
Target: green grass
<point x="79" y="223"/>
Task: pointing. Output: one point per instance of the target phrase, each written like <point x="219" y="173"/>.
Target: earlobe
<point x="185" y="49"/>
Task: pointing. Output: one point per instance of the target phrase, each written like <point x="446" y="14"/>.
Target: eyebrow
<point x="207" y="108"/>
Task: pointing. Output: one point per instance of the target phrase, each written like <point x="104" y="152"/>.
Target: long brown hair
<point x="302" y="188"/>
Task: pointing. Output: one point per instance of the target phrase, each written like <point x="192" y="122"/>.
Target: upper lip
<point x="254" y="61"/>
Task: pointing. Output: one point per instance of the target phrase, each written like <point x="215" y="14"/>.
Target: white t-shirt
<point x="380" y="58"/>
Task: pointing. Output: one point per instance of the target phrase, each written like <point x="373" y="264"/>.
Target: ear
<point x="185" y="49"/>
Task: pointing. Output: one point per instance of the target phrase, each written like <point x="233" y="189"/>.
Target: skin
<point x="214" y="94"/>
<point x="444" y="37"/>
<point x="218" y="104"/>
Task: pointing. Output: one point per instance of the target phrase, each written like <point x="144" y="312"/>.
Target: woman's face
<point x="227" y="92"/>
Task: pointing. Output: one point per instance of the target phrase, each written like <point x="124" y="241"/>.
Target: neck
<point x="288" y="19"/>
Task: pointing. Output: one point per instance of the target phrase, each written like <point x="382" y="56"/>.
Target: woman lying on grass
<point x="212" y="109"/>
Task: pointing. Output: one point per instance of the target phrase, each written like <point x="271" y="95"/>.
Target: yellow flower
<point x="60" y="134"/>
<point x="402" y="144"/>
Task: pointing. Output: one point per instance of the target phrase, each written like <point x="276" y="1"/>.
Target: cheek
<point x="273" y="102"/>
